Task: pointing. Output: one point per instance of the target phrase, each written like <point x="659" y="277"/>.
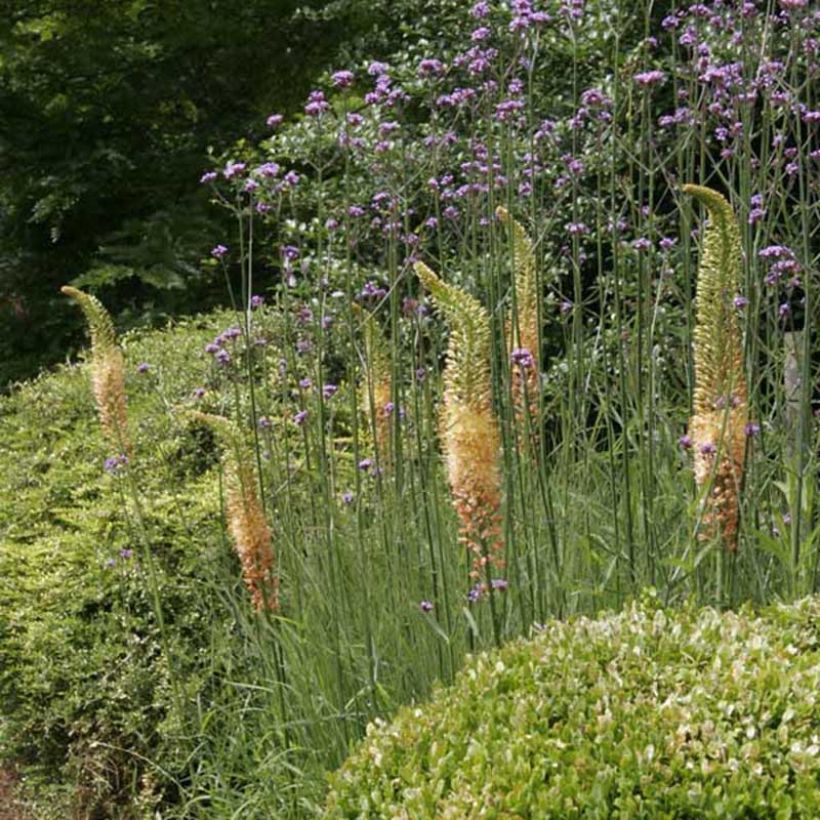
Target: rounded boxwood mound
<point x="647" y="713"/>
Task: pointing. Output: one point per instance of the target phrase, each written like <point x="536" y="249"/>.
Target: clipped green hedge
<point x="647" y="713"/>
<point x="86" y="696"/>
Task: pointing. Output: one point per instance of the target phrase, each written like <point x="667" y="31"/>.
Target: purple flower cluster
<point x="115" y="464"/>
<point x="649" y="78"/>
<point x="522" y="357"/>
<point x="217" y="349"/>
<point x="316" y="104"/>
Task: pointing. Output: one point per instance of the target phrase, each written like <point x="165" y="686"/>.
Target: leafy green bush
<point x="646" y="713"/>
<point x="91" y="681"/>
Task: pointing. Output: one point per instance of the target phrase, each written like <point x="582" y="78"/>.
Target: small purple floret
<point x="522" y="357"/>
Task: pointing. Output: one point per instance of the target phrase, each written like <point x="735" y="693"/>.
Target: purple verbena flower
<point x="775" y="251"/>
<point x="269" y="170"/>
<point x="480" y="10"/>
<point x="291" y="179"/>
<point x="377" y="69"/>
<point x="290" y="253"/>
<point x="342" y="79"/>
<point x="649" y="78"/>
<point x="429" y="66"/>
<point x="316" y="104"/>
<point x="218" y="251"/>
<point x="231" y="169"/>
<point x="114" y="464"/>
<point x="522" y="357"/>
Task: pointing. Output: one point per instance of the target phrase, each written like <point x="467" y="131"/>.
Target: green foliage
<point x="106" y="120"/>
<point x="646" y="713"/>
<point x="86" y="693"/>
<point x="148" y="684"/>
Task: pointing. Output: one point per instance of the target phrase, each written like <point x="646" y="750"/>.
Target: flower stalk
<point x="247" y="523"/>
<point x="469" y="429"/>
<point x="522" y="326"/>
<point x="108" y="369"/>
<point x="717" y="426"/>
<point x="377" y="390"/>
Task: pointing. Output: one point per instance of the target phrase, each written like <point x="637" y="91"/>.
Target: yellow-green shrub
<point x="646" y="713"/>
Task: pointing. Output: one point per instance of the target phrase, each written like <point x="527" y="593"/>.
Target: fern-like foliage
<point x="467" y="376"/>
<point x="720" y="402"/>
<point x="247" y="522"/>
<point x="108" y="369"/>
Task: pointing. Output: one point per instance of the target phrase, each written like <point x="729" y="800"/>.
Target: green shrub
<point x="88" y="694"/>
<point x="646" y="713"/>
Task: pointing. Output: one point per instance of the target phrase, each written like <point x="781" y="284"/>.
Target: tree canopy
<point x="107" y="111"/>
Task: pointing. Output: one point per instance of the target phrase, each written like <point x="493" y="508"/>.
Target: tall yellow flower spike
<point x="376" y="389"/>
<point x="522" y="328"/>
<point x="108" y="369"/>
<point x="717" y="427"/>
<point x="246" y="517"/>
<point x="468" y="425"/>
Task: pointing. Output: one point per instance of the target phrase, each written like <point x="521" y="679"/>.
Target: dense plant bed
<point x="646" y="713"/>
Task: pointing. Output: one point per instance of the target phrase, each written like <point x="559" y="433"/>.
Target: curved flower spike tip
<point x="522" y="325"/>
<point x="247" y="523"/>
<point x="376" y="391"/>
<point x="717" y="427"/>
<point x="468" y="425"/>
<point x="107" y="368"/>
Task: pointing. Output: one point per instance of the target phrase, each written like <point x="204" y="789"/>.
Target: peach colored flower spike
<point x="108" y="369"/>
<point x="717" y="428"/>
<point x="469" y="429"/>
<point x="247" y="523"/>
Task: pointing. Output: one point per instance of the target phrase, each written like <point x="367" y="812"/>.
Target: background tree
<point x="106" y="114"/>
